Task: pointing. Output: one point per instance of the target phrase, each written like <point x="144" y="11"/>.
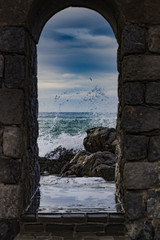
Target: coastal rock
<point x="55" y="160"/>
<point x="100" y="139"/>
<point x="99" y="164"/>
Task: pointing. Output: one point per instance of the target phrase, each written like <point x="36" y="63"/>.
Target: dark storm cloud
<point x="79" y="18"/>
<point x="76" y="44"/>
<point x="76" y="40"/>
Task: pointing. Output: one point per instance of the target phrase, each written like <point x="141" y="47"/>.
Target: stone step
<point x="49" y="237"/>
<point x="73" y="226"/>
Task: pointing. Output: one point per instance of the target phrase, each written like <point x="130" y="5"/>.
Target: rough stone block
<point x="152" y="93"/>
<point x="141" y="68"/>
<point x="97" y="217"/>
<point x="34" y="228"/>
<point x="153" y="204"/>
<point x="1" y="66"/>
<point x="10" y="201"/>
<point x="1" y="141"/>
<point x="140" y="119"/>
<point x="59" y="228"/>
<point x="154" y="39"/>
<point x="133" y="93"/>
<point x="134" y="207"/>
<point x="12" y="39"/>
<point x="8" y="229"/>
<point x="141" y="175"/>
<point x="11" y="104"/>
<point x="10" y="171"/>
<point x="135" y="147"/>
<point x="116" y="217"/>
<point x="55" y="218"/>
<point x="154" y="149"/>
<point x="14" y="71"/>
<point x="141" y="230"/>
<point x="115" y="229"/>
<point x="12" y="142"/>
<point x="89" y="228"/>
<point x="157" y="232"/>
<point x="74" y="218"/>
<point x="133" y="39"/>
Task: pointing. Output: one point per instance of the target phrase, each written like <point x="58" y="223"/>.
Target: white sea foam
<point x="69" y="129"/>
<point x="47" y="143"/>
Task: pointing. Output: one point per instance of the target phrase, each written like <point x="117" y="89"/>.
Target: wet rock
<point x="99" y="164"/>
<point x="54" y="161"/>
<point x="100" y="139"/>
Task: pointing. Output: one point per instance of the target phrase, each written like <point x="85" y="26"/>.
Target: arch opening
<point x="42" y="11"/>
<point x="80" y="85"/>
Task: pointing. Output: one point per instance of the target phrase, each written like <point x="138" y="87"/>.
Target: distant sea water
<point x="68" y="129"/>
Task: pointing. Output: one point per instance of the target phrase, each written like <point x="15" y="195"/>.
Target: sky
<point x="77" y="65"/>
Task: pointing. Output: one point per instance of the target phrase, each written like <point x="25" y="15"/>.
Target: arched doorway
<point x="75" y="46"/>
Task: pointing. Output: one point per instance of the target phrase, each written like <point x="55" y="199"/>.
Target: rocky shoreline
<point x="97" y="160"/>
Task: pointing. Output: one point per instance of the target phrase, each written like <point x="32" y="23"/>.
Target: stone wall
<point x="19" y="172"/>
<point x="138" y="168"/>
<point x="136" y="24"/>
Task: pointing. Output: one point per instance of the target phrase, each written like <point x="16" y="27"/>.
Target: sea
<point x="68" y="129"/>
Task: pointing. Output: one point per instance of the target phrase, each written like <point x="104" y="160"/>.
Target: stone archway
<point x="137" y="27"/>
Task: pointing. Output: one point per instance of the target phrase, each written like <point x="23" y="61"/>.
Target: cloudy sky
<point x="77" y="68"/>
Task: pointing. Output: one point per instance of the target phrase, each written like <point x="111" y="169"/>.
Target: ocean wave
<point x="47" y="143"/>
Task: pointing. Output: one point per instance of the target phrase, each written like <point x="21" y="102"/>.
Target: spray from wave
<point x="68" y="129"/>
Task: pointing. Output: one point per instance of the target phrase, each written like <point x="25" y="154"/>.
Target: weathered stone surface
<point x="141" y="230"/>
<point x="12" y="39"/>
<point x="152" y="93"/>
<point x="154" y="149"/>
<point x="13" y="142"/>
<point x="14" y="71"/>
<point x="34" y="227"/>
<point x="10" y="201"/>
<point x="1" y="141"/>
<point x="153" y="204"/>
<point x="157" y="232"/>
<point x="1" y="66"/>
<point x="115" y="230"/>
<point x="9" y="229"/>
<point x="154" y="39"/>
<point x="144" y="12"/>
<point x="135" y="147"/>
<point x="134" y="207"/>
<point x="133" y="39"/>
<point x="10" y="171"/>
<point x="141" y="175"/>
<point x="140" y="68"/>
<point x="133" y="93"/>
<point x="59" y="228"/>
<point x="11" y="104"/>
<point x="89" y="228"/>
<point x="140" y="119"/>
<point x="100" y="139"/>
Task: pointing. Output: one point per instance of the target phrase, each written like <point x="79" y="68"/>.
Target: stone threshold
<point x="73" y="226"/>
<point x="104" y="217"/>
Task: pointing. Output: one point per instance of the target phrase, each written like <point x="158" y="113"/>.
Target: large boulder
<point x="99" y="164"/>
<point x="53" y="162"/>
<point x="100" y="139"/>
